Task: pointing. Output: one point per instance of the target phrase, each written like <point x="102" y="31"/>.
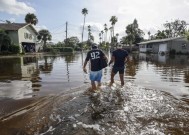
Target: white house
<point x="178" y="44"/>
<point x="22" y="34"/>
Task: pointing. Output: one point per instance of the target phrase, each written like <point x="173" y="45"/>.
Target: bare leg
<point x="99" y="84"/>
<point x="112" y="78"/>
<point x="93" y="85"/>
<point x="121" y="76"/>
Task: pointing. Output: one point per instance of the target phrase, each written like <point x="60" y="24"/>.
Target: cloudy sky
<point x="53" y="14"/>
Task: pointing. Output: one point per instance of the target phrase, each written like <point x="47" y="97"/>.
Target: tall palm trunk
<point x="113" y="33"/>
<point x="83" y="29"/>
<point x="45" y="45"/>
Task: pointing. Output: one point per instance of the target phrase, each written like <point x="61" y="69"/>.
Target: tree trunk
<point x="44" y="46"/>
<point x="83" y="30"/>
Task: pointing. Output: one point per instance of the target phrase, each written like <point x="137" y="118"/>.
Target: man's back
<point x="119" y="56"/>
<point x="94" y="56"/>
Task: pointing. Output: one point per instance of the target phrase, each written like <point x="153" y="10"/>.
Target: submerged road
<point x="131" y="110"/>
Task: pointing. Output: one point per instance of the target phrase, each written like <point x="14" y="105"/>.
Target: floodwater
<point x="25" y="77"/>
<point x="155" y="99"/>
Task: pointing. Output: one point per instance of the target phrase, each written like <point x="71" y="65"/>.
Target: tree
<point x="114" y="39"/>
<point x="124" y="40"/>
<point x="89" y="31"/>
<point x="102" y="32"/>
<point x="5" y="41"/>
<point x="161" y="34"/>
<point x="113" y="21"/>
<point x="187" y="35"/>
<point x="106" y="30"/>
<point x="44" y="35"/>
<point x="111" y="29"/>
<point x="31" y="18"/>
<point x="72" y="41"/>
<point x="134" y="34"/>
<point x="84" y="12"/>
<point x="176" y="28"/>
<point x="100" y="37"/>
<point x="92" y="38"/>
<point x="149" y="34"/>
<point x="117" y="35"/>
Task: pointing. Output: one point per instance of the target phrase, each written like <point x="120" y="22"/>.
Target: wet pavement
<point x="131" y="110"/>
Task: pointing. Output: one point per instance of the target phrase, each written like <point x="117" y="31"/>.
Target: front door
<point x="163" y="48"/>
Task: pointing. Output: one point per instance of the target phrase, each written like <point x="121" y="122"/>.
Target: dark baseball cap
<point x="94" y="46"/>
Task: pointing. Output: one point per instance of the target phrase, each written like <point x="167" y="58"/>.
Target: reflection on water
<point x="163" y="72"/>
<point x="22" y="77"/>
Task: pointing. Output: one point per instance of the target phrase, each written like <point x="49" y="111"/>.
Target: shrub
<point x="77" y="48"/>
<point x="148" y="52"/>
<point x="66" y="49"/>
<point x="172" y="52"/>
<point x="14" y="49"/>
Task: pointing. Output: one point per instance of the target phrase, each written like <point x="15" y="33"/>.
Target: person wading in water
<point x="95" y="56"/>
<point x="119" y="57"/>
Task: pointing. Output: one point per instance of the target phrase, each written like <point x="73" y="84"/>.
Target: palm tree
<point x="113" y="21"/>
<point x="117" y="36"/>
<point x="84" y="12"/>
<point x="89" y="31"/>
<point x="31" y="18"/>
<point x="44" y="35"/>
<point x="102" y="32"/>
<point x="91" y="37"/>
<point x="100" y="37"/>
<point x="106" y="30"/>
<point x="149" y="34"/>
<point x="111" y="29"/>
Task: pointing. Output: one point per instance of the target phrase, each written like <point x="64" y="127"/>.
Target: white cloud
<point x="12" y="20"/>
<point x="15" y="7"/>
<point x="151" y="15"/>
<point x="39" y="27"/>
<point x="95" y="26"/>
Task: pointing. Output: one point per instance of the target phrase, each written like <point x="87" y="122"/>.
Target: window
<point x="30" y="37"/>
<point x="184" y="46"/>
<point x="27" y="36"/>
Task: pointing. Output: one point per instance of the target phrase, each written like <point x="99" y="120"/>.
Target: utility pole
<point x="66" y="32"/>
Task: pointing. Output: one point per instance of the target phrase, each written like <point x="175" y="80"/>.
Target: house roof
<point x="160" y="40"/>
<point x="12" y="26"/>
<point x="15" y="26"/>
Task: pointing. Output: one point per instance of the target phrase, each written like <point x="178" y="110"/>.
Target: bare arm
<point x="84" y="66"/>
<point x="106" y="58"/>
<point x="112" y="60"/>
<point x="126" y="59"/>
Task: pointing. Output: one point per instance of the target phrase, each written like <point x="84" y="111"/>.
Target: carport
<point x="28" y="47"/>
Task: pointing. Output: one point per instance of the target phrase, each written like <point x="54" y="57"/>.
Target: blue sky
<point x="53" y="14"/>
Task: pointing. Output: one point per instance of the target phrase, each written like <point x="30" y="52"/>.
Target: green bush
<point x="60" y="49"/>
<point x="172" y="52"/>
<point x="14" y="49"/>
<point x="66" y="49"/>
<point x="77" y="48"/>
<point x="5" y="53"/>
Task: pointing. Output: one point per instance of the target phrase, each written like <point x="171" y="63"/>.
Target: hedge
<point x="63" y="49"/>
<point x="14" y="49"/>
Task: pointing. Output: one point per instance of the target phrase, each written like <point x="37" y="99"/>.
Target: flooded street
<point x="155" y="99"/>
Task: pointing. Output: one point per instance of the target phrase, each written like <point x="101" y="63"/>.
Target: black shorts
<point x="118" y="69"/>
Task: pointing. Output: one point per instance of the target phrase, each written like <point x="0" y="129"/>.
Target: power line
<point x="57" y="27"/>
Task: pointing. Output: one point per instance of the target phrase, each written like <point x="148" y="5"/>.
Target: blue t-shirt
<point x="120" y="56"/>
<point x="94" y="56"/>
